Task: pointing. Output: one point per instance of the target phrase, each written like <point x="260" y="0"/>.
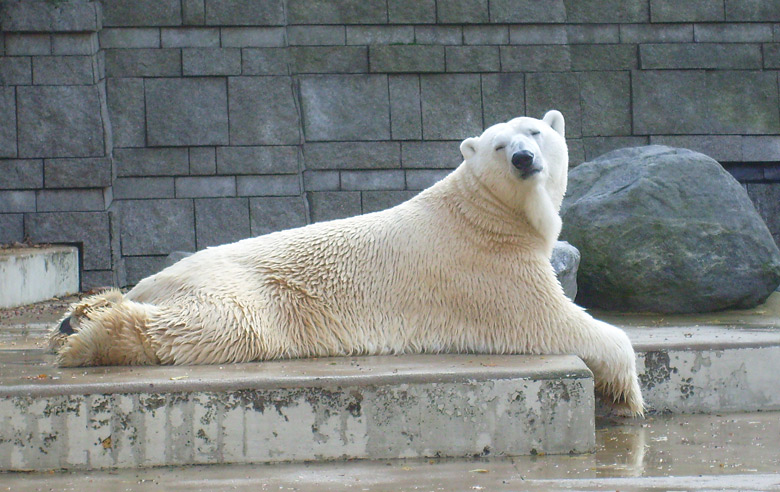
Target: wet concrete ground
<point x="677" y="452"/>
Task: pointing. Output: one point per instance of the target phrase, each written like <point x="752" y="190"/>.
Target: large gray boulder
<point x="565" y="260"/>
<point x="666" y="230"/>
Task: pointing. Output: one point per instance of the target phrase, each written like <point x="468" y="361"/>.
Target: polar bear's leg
<point x="607" y="352"/>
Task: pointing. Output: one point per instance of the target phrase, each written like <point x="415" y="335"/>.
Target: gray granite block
<point x="190" y="37"/>
<point x="722" y="148"/>
<point x="593" y="147"/>
<point x="321" y="180"/>
<point x="336" y="11"/>
<point x="352" y="155"/>
<point x="436" y="155"/>
<point x="8" y="135"/>
<point x="21" y="44"/>
<point x="143" y="62"/>
<point x="15" y="70"/>
<point x="90" y="229"/>
<point x="603" y="57"/>
<point x="607" y="11"/>
<point x="374" y="201"/>
<point x="126" y="107"/>
<point x="63" y="70"/>
<point x="60" y="121"/>
<point x="760" y="149"/>
<point x="19" y="174"/>
<point x="186" y="111"/>
<point x="330" y="205"/>
<point x="263" y="111"/>
<point x="271" y="214"/>
<point x="752" y="11"/>
<point x="329" y="59"/>
<point x="472" y="59"/>
<point x="540" y="58"/>
<point x="265" y="61"/>
<point x="373" y="180"/>
<point x="686" y="10"/>
<point x="30" y="16"/>
<point x="503" y="97"/>
<point x="732" y="33"/>
<point x="211" y="61"/>
<point x="405" y="114"/>
<point x="151" y="162"/>
<point x="316" y="35"/>
<point x="221" y="221"/>
<point x="94" y="172"/>
<point x="157" y="227"/>
<point x="445" y="117"/>
<point x="345" y="107"/>
<point x="406" y="58"/>
<point x="699" y="102"/>
<point x="546" y="91"/>
<point x="17" y="201"/>
<point x="253" y="37"/>
<point x="245" y="12"/>
<point x="656" y="33"/>
<point x="130" y="37"/>
<point x="140" y="267"/>
<point x="485" y="34"/>
<point x="76" y="43"/>
<point x="701" y="55"/>
<point x="527" y="11"/>
<point x="593" y="33"/>
<point x="11" y="228"/>
<point x="139" y="188"/>
<point x="438" y="34"/>
<point x="205" y="186"/>
<point x="462" y="11"/>
<point x="411" y="11"/>
<point x="269" y="185"/>
<point x="605" y="101"/>
<point x="380" y="35"/>
<point x="193" y="12"/>
<point x="772" y="55"/>
<point x="258" y="160"/>
<point x="70" y="200"/>
<point x="98" y="279"/>
<point x="420" y="179"/>
<point x="541" y="34"/>
<point x="141" y="13"/>
<point x="766" y="198"/>
<point x="203" y="160"/>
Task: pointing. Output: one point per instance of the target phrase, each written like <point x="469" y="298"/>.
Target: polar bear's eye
<point x="535" y="133"/>
<point x="500" y="147"/>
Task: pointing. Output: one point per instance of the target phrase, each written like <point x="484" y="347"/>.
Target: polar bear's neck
<point x="481" y="209"/>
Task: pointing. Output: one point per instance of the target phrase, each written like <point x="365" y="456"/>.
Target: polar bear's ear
<point x="555" y="120"/>
<point x="468" y="147"/>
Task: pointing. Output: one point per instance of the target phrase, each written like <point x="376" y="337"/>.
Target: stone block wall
<point x="148" y="126"/>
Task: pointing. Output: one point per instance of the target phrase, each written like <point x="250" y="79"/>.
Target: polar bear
<point x="462" y="267"/>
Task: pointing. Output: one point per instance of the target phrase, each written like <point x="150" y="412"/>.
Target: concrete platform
<point x="408" y="406"/>
<point x="324" y="409"/>
<point x="660" y="453"/>
<point x="29" y="275"/>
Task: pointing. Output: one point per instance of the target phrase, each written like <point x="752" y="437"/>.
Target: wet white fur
<point x="462" y="267"/>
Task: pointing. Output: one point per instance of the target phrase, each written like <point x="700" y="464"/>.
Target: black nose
<point x="522" y="159"/>
<point x="65" y="327"/>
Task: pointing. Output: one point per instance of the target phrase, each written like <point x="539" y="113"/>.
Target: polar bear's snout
<point x="523" y="160"/>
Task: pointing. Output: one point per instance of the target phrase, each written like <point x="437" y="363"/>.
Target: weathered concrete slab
<point x="717" y="362"/>
<point x="370" y="407"/>
<point x="29" y="275"/>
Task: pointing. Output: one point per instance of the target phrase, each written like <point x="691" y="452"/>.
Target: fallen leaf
<point x="106" y="443"/>
<point x="479" y="470"/>
<point x="177" y="378"/>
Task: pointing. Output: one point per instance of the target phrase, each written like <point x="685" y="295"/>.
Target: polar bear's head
<point x="511" y="158"/>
